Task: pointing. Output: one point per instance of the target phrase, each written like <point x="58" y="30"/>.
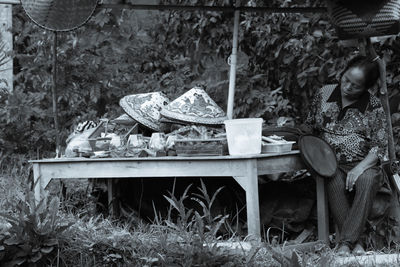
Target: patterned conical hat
<point x="195" y="106"/>
<point x="145" y="108"/>
<point x="59" y="15"/>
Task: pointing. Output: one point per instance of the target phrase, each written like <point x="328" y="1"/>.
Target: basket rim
<point x="91" y="9"/>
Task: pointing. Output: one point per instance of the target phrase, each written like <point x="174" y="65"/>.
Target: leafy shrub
<point x="32" y="238"/>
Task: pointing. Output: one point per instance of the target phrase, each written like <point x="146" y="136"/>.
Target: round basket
<point x="59" y="15"/>
<point x="364" y="18"/>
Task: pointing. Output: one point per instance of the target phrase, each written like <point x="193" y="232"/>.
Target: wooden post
<point x="54" y="92"/>
<point x="6" y="39"/>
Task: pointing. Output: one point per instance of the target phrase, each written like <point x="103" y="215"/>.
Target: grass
<point x="185" y="237"/>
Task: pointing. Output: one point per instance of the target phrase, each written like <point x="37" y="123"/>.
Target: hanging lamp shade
<point x="364" y="18"/>
<point x="59" y="15"/>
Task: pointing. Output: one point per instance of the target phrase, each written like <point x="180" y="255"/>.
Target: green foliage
<point x="195" y="232"/>
<point x="188" y="220"/>
<point x="32" y="238"/>
<point x="189" y="239"/>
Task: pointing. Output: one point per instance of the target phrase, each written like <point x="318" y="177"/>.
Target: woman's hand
<point x="352" y="177"/>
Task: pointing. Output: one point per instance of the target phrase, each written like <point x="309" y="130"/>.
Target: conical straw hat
<point x="145" y="108"/>
<point x="195" y="106"/>
<point x="59" y="15"/>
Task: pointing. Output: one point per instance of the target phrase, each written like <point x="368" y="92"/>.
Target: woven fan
<point x="59" y="15"/>
<point x="56" y="16"/>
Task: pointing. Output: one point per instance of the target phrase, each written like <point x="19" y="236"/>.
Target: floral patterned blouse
<point x="353" y="131"/>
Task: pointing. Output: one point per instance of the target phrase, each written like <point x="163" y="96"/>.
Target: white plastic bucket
<point x="244" y="136"/>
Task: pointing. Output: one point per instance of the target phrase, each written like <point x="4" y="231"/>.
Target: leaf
<point x="117" y="256"/>
<point x="46" y="250"/>
<point x="36" y="257"/>
<point x="8" y="217"/>
<point x="12" y="241"/>
<point x="318" y="34"/>
<point x="172" y="203"/>
<point x="51" y="242"/>
<point x="13" y="263"/>
<point x="53" y="210"/>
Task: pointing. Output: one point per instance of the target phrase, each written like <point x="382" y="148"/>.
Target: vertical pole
<point x="6" y="45"/>
<point x="54" y="92"/>
<point x="232" y="74"/>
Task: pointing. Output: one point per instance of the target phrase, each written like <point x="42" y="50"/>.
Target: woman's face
<point x="352" y="83"/>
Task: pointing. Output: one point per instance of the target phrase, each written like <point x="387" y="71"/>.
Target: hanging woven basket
<point x="59" y="15"/>
<point x="364" y="18"/>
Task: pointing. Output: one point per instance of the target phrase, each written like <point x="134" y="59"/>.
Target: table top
<point x="169" y="158"/>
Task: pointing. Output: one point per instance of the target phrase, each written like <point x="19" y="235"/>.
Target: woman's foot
<point x="343" y="250"/>
<point x="358" y="250"/>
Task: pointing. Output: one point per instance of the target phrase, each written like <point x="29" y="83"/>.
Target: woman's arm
<point x="369" y="161"/>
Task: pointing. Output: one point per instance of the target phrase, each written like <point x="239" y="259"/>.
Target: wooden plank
<point x="322" y="210"/>
<point x="292" y="154"/>
<point x="6" y="70"/>
<point x="303" y="236"/>
<point x="128" y="169"/>
<point x="10" y="2"/>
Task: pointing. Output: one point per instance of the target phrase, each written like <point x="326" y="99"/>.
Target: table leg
<point x="250" y="184"/>
<point x="322" y="208"/>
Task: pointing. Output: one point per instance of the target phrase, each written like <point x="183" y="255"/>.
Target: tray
<point x="276" y="148"/>
<point x="201" y="147"/>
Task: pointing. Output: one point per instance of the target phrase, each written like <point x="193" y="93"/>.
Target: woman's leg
<point x="338" y="202"/>
<point x="365" y="190"/>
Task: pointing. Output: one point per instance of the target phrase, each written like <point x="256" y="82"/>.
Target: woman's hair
<point x="368" y="65"/>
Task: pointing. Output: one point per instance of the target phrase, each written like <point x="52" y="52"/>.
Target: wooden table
<point x="244" y="169"/>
